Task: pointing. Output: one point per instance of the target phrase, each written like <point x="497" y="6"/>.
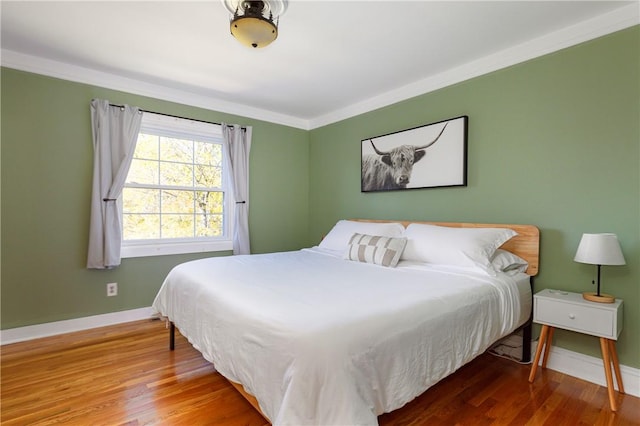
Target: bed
<point x="359" y="325"/>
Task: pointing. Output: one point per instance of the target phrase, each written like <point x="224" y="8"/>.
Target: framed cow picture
<point x="429" y="156"/>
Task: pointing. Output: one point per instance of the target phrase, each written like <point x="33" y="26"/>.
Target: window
<point x="175" y="199"/>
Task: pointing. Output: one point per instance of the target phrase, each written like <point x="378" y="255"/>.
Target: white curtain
<point x="115" y="131"/>
<point x="237" y="142"/>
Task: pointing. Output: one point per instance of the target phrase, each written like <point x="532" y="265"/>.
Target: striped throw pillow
<point x="384" y="251"/>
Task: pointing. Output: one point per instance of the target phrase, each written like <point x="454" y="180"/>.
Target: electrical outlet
<point x="112" y="289"/>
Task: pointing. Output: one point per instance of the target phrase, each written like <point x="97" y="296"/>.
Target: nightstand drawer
<point x="571" y="311"/>
<point x="575" y="317"/>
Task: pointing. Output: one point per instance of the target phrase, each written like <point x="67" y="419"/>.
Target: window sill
<point x="144" y="250"/>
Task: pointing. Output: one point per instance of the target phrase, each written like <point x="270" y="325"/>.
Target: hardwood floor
<point x="125" y="375"/>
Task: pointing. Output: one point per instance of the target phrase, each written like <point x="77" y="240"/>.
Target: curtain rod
<point x="174" y="116"/>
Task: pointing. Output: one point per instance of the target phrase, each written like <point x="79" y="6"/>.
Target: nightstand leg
<point x="547" y="346"/>
<point x="616" y="364"/>
<point x="542" y="341"/>
<point x="604" y="345"/>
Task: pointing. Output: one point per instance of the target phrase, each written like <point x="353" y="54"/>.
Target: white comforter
<point x="326" y="341"/>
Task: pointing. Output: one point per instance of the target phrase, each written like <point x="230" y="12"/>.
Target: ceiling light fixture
<point x="255" y="23"/>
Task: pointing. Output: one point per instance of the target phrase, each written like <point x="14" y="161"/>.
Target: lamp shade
<point x="599" y="249"/>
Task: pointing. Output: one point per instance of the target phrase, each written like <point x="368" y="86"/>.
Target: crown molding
<point x="616" y="20"/>
<point x="590" y="29"/>
<point x="65" y="71"/>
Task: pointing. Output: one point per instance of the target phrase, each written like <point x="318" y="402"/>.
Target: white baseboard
<point x="21" y="334"/>
<point x="589" y="368"/>
<point x="574" y="364"/>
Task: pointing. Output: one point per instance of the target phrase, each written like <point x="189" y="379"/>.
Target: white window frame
<point x="158" y="124"/>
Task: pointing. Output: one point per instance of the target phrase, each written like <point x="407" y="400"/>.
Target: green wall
<point x="552" y="142"/>
<point x="47" y="160"/>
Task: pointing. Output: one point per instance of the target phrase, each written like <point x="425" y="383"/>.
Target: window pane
<point x="208" y="153"/>
<point x="135" y="200"/>
<point x="177" y="226"/>
<point x="176" y="174"/>
<point x="209" y="225"/>
<point x="175" y="186"/>
<point x="209" y="202"/>
<point x="140" y="226"/>
<point x="208" y="177"/>
<point x="147" y="147"/>
<point x="179" y="150"/>
<point x="144" y="172"/>
<point x="177" y="202"/>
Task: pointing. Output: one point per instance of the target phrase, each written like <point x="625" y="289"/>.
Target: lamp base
<point x="603" y="298"/>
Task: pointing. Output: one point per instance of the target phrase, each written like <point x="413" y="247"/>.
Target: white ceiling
<point x="332" y="59"/>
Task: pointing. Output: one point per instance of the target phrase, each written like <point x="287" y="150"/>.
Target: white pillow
<point x="338" y="238"/>
<point x="506" y="261"/>
<point x="442" y="245"/>
<point x="383" y="251"/>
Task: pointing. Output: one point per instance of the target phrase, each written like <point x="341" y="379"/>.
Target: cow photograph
<point x="429" y="156"/>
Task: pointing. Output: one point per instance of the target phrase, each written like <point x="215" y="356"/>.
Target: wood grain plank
<point x="125" y="375"/>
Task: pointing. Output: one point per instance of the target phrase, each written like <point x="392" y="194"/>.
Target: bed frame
<point x="526" y="245"/>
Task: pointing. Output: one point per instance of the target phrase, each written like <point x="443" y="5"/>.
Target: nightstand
<point x="570" y="311"/>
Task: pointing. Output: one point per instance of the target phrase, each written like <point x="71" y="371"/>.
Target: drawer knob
<point x="572" y="316"/>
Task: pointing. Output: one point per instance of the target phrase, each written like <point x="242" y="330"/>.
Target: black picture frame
<point x="391" y="162"/>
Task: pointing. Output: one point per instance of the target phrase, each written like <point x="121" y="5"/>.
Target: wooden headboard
<point x="526" y="244"/>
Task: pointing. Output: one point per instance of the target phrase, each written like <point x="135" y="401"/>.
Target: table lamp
<point x="599" y="249"/>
